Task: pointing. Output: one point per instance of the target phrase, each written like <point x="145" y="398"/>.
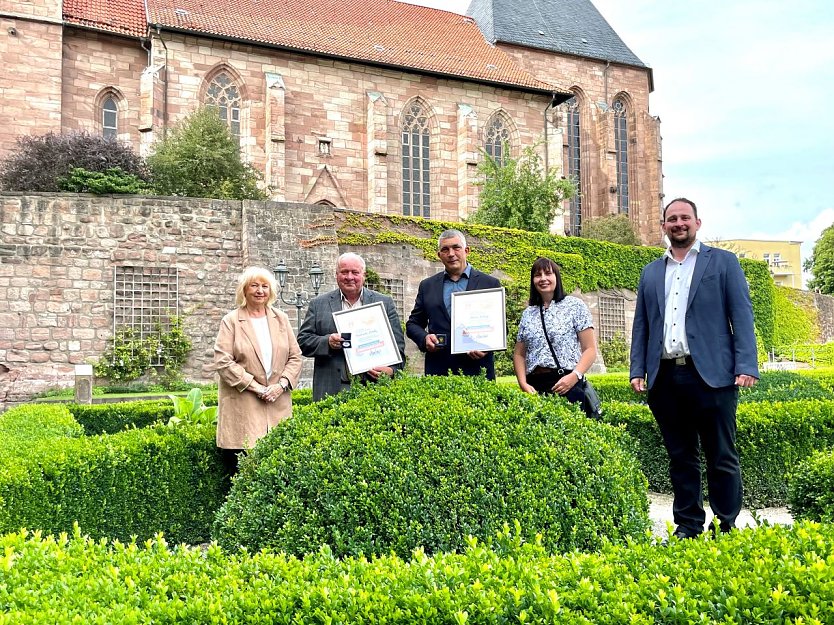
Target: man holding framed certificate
<point x="351" y="331"/>
<point x="430" y="322"/>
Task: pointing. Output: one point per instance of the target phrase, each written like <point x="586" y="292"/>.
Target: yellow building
<point x="783" y="257"/>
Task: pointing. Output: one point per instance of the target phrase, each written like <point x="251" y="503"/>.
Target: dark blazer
<point x="330" y="372"/>
<point x="430" y="316"/>
<point x="719" y="320"/>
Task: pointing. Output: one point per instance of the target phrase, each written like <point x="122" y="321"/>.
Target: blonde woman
<point x="259" y="362"/>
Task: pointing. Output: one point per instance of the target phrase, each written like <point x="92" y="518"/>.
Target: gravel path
<point x="660" y="511"/>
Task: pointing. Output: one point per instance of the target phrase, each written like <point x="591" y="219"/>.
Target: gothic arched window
<point x="416" y="161"/>
<point x="574" y="164"/>
<point x="497" y="138"/>
<point x="621" y="149"/>
<point x="109" y="118"/>
<point x="223" y="96"/>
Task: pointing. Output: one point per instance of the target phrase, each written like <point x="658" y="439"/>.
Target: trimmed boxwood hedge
<point x="424" y="462"/>
<point x="772" y="438"/>
<point x="767" y="576"/>
<point x="812" y="488"/>
<point x="135" y="482"/>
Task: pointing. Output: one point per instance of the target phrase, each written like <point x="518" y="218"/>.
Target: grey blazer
<point x="330" y="372"/>
<point x="719" y="320"/>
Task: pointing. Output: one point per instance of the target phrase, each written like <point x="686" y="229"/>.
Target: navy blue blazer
<point x="430" y="316"/>
<point x="719" y="320"/>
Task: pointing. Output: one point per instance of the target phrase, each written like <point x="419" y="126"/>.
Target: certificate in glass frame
<point x="479" y="321"/>
<point x="373" y="342"/>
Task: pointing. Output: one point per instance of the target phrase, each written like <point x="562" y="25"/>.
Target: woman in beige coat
<point x="259" y="363"/>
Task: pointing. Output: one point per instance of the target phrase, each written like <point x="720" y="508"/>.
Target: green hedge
<point x="767" y="576"/>
<point x="773" y="386"/>
<point x="812" y="488"/>
<point x="426" y="462"/>
<point x="136" y="482"/>
<point x="773" y="437"/>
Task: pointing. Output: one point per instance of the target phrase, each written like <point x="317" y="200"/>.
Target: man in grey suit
<point x="693" y="345"/>
<point x="319" y="339"/>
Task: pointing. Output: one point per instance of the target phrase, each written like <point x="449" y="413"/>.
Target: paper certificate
<point x="479" y="321"/>
<point x="372" y="341"/>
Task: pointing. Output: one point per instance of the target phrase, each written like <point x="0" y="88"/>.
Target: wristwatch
<point x="284" y="383"/>
<point x="579" y="375"/>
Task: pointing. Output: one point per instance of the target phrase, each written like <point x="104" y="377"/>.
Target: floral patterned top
<point x="565" y="320"/>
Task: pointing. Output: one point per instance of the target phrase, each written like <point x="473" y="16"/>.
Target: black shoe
<point x="723" y="528"/>
<point x="681" y="533"/>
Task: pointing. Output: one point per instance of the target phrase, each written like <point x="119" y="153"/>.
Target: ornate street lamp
<point x="316" y="276"/>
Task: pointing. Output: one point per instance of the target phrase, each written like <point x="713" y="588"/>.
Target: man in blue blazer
<point x="319" y="339"/>
<point x="693" y="345"/>
<point x="432" y="313"/>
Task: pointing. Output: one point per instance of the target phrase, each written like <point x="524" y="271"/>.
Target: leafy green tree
<point x="520" y="193"/>
<point x="38" y="163"/>
<point x="611" y="228"/>
<point x="821" y="263"/>
<point x="200" y="158"/>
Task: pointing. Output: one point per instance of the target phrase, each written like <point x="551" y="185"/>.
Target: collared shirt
<point x="346" y="305"/>
<point x="450" y="286"/>
<point x="678" y="281"/>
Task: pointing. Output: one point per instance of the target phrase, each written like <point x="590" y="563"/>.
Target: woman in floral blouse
<point x="569" y="328"/>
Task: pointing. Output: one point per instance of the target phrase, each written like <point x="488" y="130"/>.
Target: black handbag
<point x="591" y="403"/>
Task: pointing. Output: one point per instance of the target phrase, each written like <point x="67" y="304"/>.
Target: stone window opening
<point x="611" y="317"/>
<point x="497" y="138"/>
<point x="621" y="149"/>
<point x="223" y="96"/>
<point x="574" y="164"/>
<point x="110" y="118"/>
<point x="324" y="146"/>
<point x="416" y="165"/>
<point x="395" y="288"/>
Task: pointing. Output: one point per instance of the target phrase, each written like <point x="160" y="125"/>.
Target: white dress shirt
<point x="678" y="281"/>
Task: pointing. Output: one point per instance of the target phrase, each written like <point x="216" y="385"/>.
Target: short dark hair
<point x="685" y="201"/>
<point x="545" y="264"/>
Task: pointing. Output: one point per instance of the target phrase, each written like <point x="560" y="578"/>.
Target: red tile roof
<point x="125" y="17"/>
<point x="376" y="31"/>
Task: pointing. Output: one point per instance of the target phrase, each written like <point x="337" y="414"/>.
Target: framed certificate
<point x="372" y="341"/>
<point x="479" y="321"/>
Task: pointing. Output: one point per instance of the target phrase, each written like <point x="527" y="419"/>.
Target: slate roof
<point x="573" y="27"/>
<point x="380" y="32"/>
<point x="124" y="17"/>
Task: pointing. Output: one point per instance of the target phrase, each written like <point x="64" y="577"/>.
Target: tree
<point x="40" y="162"/>
<point x="200" y="158"/>
<point x="821" y="263"/>
<point x="611" y="228"/>
<point x="519" y="193"/>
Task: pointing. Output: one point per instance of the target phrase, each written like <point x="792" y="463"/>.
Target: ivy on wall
<point x="587" y="264"/>
<point x="795" y="317"/>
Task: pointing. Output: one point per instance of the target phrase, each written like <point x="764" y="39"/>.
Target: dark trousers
<point x="688" y="411"/>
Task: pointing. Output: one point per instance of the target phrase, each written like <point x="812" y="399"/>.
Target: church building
<point x="377" y="106"/>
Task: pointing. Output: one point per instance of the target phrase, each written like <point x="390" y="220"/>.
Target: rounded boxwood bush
<point x="811" y="492"/>
<point x="426" y="462"/>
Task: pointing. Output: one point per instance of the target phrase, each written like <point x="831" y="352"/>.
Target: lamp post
<point x="316" y="275"/>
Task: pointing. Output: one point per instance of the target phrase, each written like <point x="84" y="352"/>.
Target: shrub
<point x="200" y="158"/>
<point x="615" y="352"/>
<point x="768" y="576"/>
<point x="137" y="482"/>
<point x="772" y="439"/>
<point x="612" y="228"/>
<point x="111" y="180"/>
<point x="426" y="462"/>
<point x="39" y="162"/>
<point x="811" y="494"/>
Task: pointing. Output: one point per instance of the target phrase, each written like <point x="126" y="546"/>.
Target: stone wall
<point x="59" y="254"/>
<point x="825" y="308"/>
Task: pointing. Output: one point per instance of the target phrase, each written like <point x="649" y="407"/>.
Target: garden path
<point x="660" y="511"/>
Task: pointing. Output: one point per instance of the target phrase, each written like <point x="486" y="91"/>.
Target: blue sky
<point x="744" y="90"/>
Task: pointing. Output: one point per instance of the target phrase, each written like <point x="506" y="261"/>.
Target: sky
<point x="745" y="91"/>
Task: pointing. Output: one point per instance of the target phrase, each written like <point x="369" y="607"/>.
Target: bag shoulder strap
<point x="547" y="336"/>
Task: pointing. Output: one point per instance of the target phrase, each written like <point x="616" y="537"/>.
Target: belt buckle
<point x="680" y="360"/>
<point x="560" y="371"/>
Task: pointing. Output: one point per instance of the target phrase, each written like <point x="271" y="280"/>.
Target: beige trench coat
<point x="242" y="416"/>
